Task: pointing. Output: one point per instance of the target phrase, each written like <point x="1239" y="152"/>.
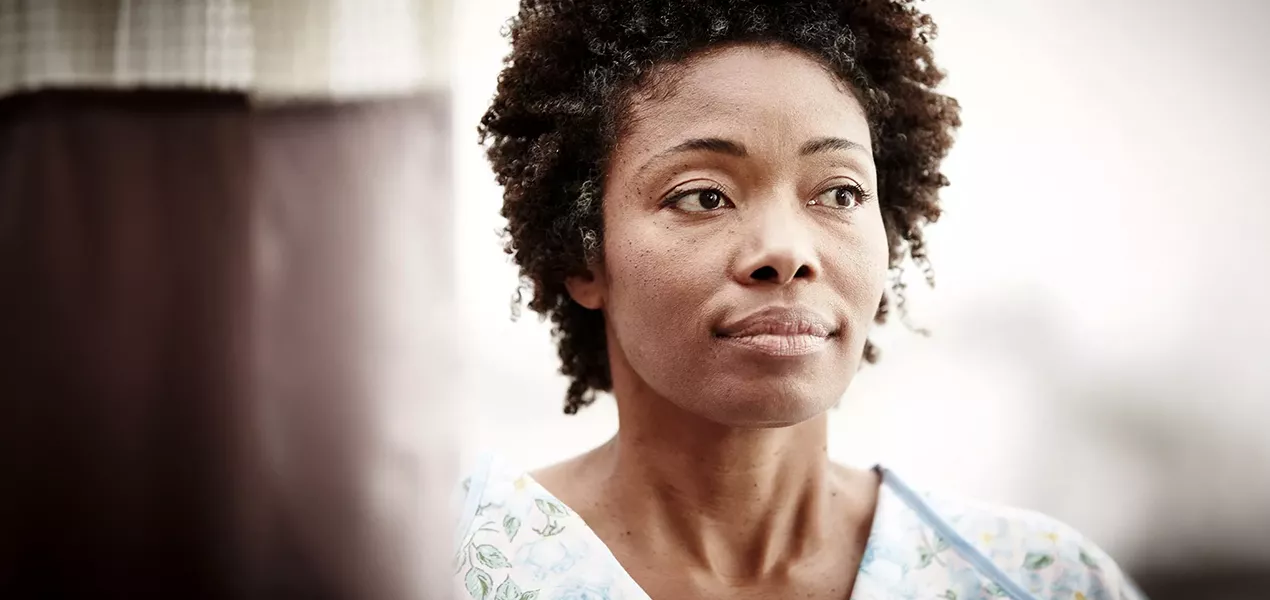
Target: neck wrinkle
<point x="741" y="504"/>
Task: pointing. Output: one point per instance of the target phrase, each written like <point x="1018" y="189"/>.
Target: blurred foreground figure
<point x="217" y="306"/>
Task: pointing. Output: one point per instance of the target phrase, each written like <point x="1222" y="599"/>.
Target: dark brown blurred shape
<point x="188" y="330"/>
<point x="1231" y="582"/>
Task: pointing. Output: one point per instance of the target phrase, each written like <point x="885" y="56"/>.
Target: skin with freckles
<point x="770" y="207"/>
<point x="744" y="259"/>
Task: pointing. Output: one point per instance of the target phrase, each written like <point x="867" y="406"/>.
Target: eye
<point x="841" y="197"/>
<point x="700" y="200"/>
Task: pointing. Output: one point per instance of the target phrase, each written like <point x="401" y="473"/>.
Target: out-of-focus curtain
<point x="332" y="49"/>
<point x="225" y="249"/>
<point x="225" y="255"/>
<point x="218" y="345"/>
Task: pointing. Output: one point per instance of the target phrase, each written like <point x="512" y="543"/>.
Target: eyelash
<point x="674" y="198"/>
<point x="862" y="194"/>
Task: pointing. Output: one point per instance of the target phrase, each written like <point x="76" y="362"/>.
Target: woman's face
<point x="744" y="251"/>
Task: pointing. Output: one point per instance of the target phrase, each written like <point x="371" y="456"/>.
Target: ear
<point x="589" y="290"/>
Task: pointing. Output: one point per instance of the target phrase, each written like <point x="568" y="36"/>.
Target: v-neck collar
<point x="517" y="541"/>
<point x="631" y="589"/>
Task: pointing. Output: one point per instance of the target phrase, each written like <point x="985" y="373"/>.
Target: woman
<point x="707" y="198"/>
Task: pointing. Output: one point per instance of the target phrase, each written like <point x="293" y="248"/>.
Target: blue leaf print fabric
<point x="518" y="542"/>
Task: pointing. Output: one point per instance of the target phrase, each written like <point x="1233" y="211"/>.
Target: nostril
<point x="770" y="274"/>
<point x="764" y="274"/>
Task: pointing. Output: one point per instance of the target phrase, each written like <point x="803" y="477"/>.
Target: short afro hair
<point x="567" y="86"/>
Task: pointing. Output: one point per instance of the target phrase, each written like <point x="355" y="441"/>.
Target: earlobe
<point x="587" y="290"/>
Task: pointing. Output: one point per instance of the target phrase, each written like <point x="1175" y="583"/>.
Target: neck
<point x="740" y="502"/>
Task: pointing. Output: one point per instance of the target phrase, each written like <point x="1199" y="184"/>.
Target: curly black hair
<point x="568" y="85"/>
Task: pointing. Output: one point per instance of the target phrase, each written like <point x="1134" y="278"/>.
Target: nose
<point x="777" y="248"/>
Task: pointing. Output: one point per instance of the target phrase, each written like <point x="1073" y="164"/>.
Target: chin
<point x="766" y="404"/>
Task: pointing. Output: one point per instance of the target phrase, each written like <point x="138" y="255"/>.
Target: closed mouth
<point x="780" y="331"/>
<point x="781" y="345"/>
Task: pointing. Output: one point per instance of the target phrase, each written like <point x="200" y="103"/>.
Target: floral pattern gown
<point x="515" y="541"/>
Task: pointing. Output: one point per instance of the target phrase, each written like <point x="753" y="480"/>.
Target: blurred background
<point x="1099" y="324"/>
<point x="227" y="269"/>
<point x="286" y="282"/>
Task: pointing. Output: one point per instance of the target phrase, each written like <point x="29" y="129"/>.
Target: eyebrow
<point x="829" y="144"/>
<point x="737" y="149"/>
<point x="732" y="148"/>
<point x="718" y="145"/>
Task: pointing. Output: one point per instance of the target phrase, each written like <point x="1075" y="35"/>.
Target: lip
<point x="780" y="331"/>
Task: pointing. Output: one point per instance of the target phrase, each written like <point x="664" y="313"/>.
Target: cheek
<point x="862" y="265"/>
<point x="658" y="281"/>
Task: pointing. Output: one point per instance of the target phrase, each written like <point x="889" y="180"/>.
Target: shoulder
<point x="515" y="539"/>
<point x="1008" y="546"/>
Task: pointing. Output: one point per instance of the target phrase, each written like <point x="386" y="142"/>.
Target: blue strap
<point x="954" y="539"/>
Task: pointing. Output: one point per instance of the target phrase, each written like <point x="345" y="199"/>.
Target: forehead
<point x="763" y="95"/>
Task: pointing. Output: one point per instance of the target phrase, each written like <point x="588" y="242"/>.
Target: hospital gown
<point x="515" y="541"/>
